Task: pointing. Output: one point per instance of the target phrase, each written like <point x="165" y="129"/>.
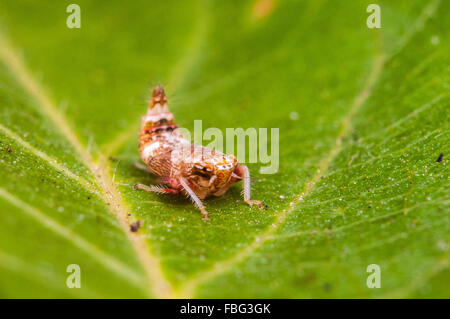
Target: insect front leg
<point x="197" y="202"/>
<point x="244" y="173"/>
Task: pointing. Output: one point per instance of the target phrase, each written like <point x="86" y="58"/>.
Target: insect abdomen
<point x="156" y="134"/>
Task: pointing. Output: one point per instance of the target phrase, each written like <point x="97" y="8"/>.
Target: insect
<point x="184" y="168"/>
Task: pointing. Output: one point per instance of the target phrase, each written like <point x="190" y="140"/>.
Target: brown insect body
<point x="194" y="170"/>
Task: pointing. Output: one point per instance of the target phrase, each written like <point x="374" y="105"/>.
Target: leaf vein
<point x="109" y="194"/>
<point x="106" y="260"/>
<point x="189" y="287"/>
<point x="51" y="161"/>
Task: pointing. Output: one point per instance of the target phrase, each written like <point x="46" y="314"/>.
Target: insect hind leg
<point x="244" y="173"/>
<point x="156" y="189"/>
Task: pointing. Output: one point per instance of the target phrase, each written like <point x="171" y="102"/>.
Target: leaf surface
<point x="362" y="115"/>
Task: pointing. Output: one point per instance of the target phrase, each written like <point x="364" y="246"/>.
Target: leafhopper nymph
<point x="192" y="170"/>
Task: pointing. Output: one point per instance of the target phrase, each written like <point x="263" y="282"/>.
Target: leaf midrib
<point x="107" y="260"/>
<point x="100" y="171"/>
<point x="188" y="289"/>
<point x="109" y="193"/>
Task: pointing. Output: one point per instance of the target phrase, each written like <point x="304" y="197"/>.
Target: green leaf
<point x="359" y="180"/>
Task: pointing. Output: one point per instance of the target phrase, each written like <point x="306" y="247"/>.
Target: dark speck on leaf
<point x="112" y="159"/>
<point x="327" y="287"/>
<point x="440" y="157"/>
<point x="89" y="197"/>
<point x="134" y="227"/>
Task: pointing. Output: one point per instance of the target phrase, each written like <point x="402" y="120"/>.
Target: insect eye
<point x="202" y="168"/>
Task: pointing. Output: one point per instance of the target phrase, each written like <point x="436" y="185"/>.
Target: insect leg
<point x="246" y="191"/>
<point x="155" y="189"/>
<point x="194" y="197"/>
